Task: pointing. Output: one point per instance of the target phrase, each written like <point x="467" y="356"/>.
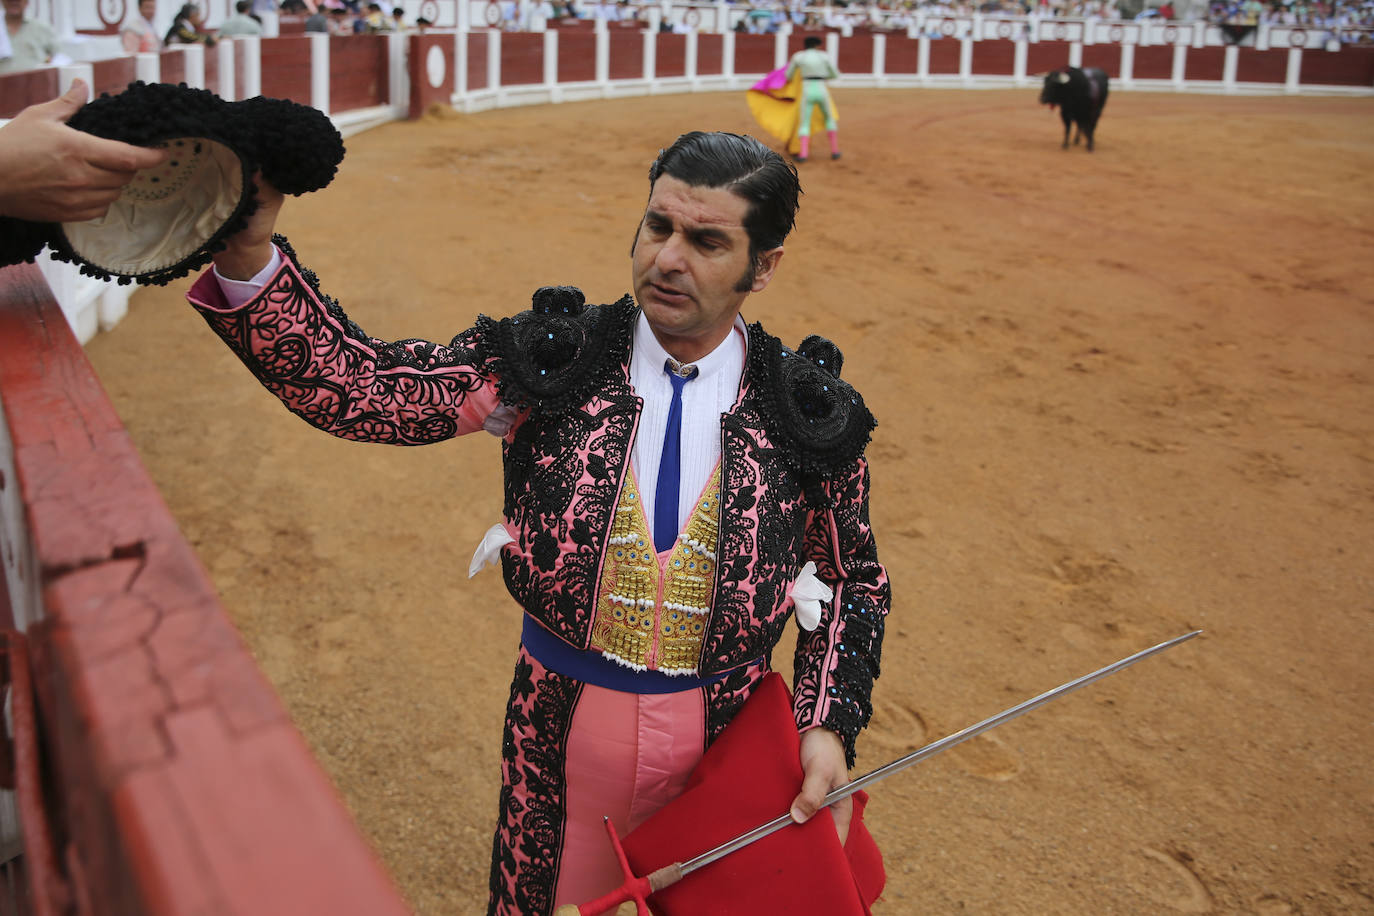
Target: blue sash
<point x="591" y="667"/>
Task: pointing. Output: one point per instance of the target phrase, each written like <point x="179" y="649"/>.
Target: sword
<point x="638" y="888"/>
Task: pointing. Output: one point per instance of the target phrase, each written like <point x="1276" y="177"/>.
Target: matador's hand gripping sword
<point x="638" y="889"/>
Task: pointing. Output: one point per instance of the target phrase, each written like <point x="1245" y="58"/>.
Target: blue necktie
<point x="670" y="465"/>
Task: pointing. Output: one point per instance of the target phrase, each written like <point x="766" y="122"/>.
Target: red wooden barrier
<point x="113" y="75"/>
<point x="1205" y="64"/>
<point x="27" y="87"/>
<point x="423" y="93"/>
<point x="577" y="56"/>
<point x="753" y="53"/>
<point x="176" y="782"/>
<point x="286" y="68"/>
<point x="856" y="54"/>
<point x="993" y="58"/>
<point x="627" y="55"/>
<point x="1045" y="56"/>
<point x="1262" y="66"/>
<point x="1154" y="62"/>
<point x="522" y="58"/>
<point x="710" y="54"/>
<point x="172" y="66"/>
<point x="1105" y="57"/>
<point x="477" y="60"/>
<point x="212" y="68"/>
<point x="671" y="55"/>
<point x="903" y="55"/>
<point x="359" y="72"/>
<point x="1346" y="67"/>
<point x="944" y="57"/>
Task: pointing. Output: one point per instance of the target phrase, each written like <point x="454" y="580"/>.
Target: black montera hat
<point x="170" y="219"/>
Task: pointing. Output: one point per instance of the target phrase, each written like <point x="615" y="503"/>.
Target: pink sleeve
<point x="303" y="349"/>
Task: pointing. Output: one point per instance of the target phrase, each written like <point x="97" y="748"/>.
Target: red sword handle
<point x="634" y="888"/>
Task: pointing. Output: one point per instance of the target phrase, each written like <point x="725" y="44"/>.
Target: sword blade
<point x="930" y="750"/>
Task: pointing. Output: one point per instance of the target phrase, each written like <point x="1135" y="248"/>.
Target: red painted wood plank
<point x="944" y="57"/>
<point x="576" y="56"/>
<point x="1347" y="67"/>
<point x="28" y="87"/>
<point x="1269" y="66"/>
<point x="1104" y="57"/>
<point x="856" y="54"/>
<point x="903" y="55"/>
<point x="754" y="53"/>
<point x="181" y="785"/>
<point x="993" y="58"/>
<point x="670" y="58"/>
<point x="626" y="51"/>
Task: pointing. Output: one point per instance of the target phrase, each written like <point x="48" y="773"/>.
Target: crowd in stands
<point x="27" y="44"/>
<point x="1349" y="21"/>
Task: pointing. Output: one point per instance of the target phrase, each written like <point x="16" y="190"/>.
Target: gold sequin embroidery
<point x="632" y="627"/>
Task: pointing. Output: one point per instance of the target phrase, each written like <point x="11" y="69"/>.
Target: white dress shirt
<point x="704" y="399"/>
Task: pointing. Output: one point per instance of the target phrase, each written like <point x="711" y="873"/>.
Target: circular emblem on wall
<point x="1297" y="38"/>
<point x="1061" y="32"/>
<point x="692" y="17"/>
<point x="492" y="14"/>
<point x="1116" y="32"/>
<point x="436" y="66"/>
<point x="1004" y="29"/>
<point x="111" y="12"/>
<point x="1170" y="34"/>
<point x="429" y="10"/>
<point x="947" y="27"/>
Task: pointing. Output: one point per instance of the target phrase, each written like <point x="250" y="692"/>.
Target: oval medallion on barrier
<point x="1004" y="29"/>
<point x="111" y="12"/>
<point x="491" y="14"/>
<point x="692" y="17"/>
<point x="436" y="66"/>
<point x="1297" y="38"/>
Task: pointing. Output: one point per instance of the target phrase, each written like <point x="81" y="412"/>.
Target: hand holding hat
<point x="171" y="218"/>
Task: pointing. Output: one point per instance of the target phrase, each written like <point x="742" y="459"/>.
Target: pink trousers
<point x="628" y="756"/>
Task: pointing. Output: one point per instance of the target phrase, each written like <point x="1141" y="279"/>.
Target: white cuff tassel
<point x="488" y="552"/>
<point x="807" y="594"/>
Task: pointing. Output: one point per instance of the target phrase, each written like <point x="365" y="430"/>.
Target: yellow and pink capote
<point x="775" y="103"/>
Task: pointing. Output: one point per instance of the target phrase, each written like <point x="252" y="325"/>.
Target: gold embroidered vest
<point x="652" y="617"/>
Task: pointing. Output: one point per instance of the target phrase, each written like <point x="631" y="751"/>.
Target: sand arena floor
<point x="1121" y="396"/>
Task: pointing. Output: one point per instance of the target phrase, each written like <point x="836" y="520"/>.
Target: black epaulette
<point x="817" y="418"/>
<point x="559" y="353"/>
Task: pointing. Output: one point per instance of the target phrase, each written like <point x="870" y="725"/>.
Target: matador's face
<point x="691" y="265"/>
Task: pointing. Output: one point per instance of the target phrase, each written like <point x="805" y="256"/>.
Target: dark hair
<point x="243" y="6"/>
<point x="744" y="166"/>
<point x="811" y="41"/>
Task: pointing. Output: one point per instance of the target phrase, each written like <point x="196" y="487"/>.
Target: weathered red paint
<point x="182" y="785"/>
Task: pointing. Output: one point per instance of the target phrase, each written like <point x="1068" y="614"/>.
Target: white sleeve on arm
<point x="237" y="292"/>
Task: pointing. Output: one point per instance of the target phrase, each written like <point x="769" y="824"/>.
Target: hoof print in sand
<point x="987" y="757"/>
<point x="1167" y="878"/>
<point x="896" y="727"/>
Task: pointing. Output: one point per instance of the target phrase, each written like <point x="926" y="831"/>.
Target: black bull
<point x="1080" y="95"/>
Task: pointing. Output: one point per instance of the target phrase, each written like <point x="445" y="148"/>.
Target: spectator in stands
<point x="342" y="21"/>
<point x="318" y="21"/>
<point x="51" y="173"/>
<point x="242" y="22"/>
<point x="137" y="34"/>
<point x="31" y="44"/>
<point x="373" y="20"/>
<point x="188" y="28"/>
